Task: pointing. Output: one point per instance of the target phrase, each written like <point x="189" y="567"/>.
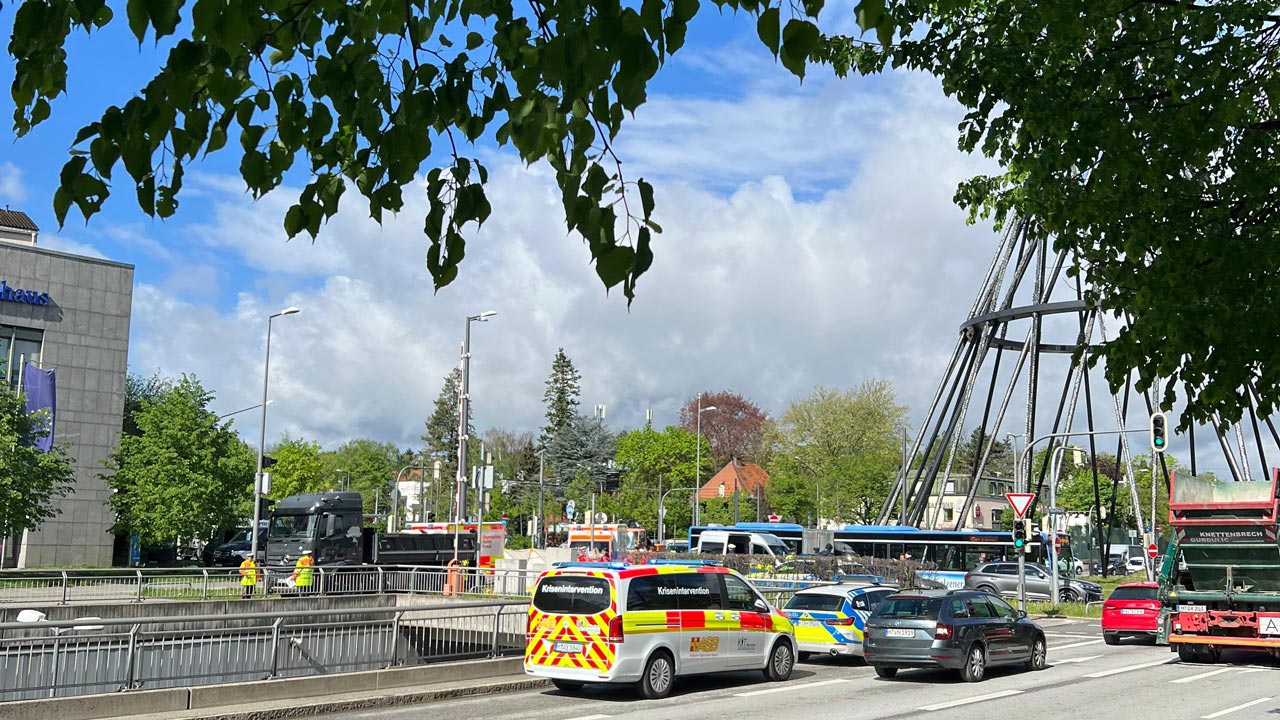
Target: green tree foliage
<point x="561" y="397"/>
<point x="364" y="466"/>
<point x="184" y="474"/>
<point x="138" y="390"/>
<point x="367" y="94"/>
<point x="1141" y="136"/>
<point x="1000" y="462"/>
<point x="441" y="436"/>
<point x="30" y="480"/>
<point x="650" y="459"/>
<point x="844" y="442"/>
<point x="299" y="468"/>
<point x="734" y="428"/>
<point x="581" y="452"/>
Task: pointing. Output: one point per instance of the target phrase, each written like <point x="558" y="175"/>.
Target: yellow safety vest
<point x="248" y="572"/>
<point x="304" y="571"/>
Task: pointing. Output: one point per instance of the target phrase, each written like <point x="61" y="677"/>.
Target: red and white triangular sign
<point x="1020" y="502"/>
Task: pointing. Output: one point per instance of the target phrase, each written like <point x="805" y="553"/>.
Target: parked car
<point x="1133" y="610"/>
<point x="234" y="551"/>
<point x="963" y="630"/>
<point x="1001" y="578"/>
<point x="1135" y="565"/>
<point x="830" y="619"/>
<point x="678" y="546"/>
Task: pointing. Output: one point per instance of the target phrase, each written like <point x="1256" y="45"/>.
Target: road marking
<point x="789" y="688"/>
<point x="966" y="701"/>
<point x="590" y="717"/>
<point x="1069" y="635"/>
<point x="1201" y="676"/>
<point x="1076" y="660"/>
<point x="1079" y="644"/>
<point x="1220" y="713"/>
<point x="1130" y="668"/>
<point x="1242" y="672"/>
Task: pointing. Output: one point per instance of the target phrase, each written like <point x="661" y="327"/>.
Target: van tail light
<point x="615" y="630"/>
<point x="943" y="632"/>
<point x="840" y="621"/>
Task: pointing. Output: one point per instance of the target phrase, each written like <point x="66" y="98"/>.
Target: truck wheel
<point x="1188" y="654"/>
<point x="659" y="675"/>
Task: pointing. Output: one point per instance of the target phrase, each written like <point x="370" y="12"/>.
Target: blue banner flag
<point x="39" y="387"/>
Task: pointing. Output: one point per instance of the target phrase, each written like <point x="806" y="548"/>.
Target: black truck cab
<point x="328" y="524"/>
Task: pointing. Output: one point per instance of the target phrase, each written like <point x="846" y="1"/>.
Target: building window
<point x="17" y="344"/>
<point x="996" y="517"/>
<point x="948" y="515"/>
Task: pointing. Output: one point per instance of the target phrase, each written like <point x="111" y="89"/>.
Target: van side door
<point x="752" y="627"/>
<point x="705" y="637"/>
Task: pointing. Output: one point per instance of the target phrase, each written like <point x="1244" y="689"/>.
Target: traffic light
<point x="1159" y="432"/>
<point x="1020" y="534"/>
<point x="1027" y="532"/>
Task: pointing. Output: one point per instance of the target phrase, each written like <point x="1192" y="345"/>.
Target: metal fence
<point x="55" y="659"/>
<point x="60" y="587"/>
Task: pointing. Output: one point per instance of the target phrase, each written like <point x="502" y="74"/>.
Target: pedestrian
<point x="248" y="577"/>
<point x="303" y="572"/>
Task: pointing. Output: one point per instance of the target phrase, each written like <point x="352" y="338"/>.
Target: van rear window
<point x="572" y="595"/>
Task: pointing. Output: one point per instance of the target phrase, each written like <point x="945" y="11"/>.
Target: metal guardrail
<point x="56" y="659"/>
<point x="61" y="587"/>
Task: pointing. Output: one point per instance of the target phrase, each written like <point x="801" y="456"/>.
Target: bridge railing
<point x="61" y="587"/>
<point x="88" y="656"/>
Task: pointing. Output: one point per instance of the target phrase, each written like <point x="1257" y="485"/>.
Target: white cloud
<point x="12" y="189"/>
<point x="61" y="244"/>
<point x="797" y="252"/>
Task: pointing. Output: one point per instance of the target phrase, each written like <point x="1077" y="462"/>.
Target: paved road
<point x="1085" y="679"/>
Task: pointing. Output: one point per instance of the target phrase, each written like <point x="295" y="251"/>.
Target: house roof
<point x="17" y="220"/>
<point x="746" y="478"/>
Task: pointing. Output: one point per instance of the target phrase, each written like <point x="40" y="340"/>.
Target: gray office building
<point x="69" y="314"/>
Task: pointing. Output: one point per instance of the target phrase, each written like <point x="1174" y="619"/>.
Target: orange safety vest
<point x="302" y="571"/>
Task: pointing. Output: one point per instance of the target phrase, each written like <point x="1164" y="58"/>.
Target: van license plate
<point x="567" y="647"/>
<point x="900" y="633"/>
<point x="1192" y="608"/>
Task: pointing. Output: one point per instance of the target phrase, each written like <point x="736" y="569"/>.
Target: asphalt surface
<point x="1085" y="678"/>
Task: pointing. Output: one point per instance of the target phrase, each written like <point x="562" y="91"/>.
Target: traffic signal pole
<point x="1022" y="578"/>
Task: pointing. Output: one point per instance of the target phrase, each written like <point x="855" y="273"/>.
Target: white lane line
<point x="789" y="688"/>
<point x="1201" y="676"/>
<point x="1076" y="660"/>
<point x="1251" y="670"/>
<point x="966" y="701"/>
<point x="1242" y="706"/>
<point x="1079" y="644"/>
<point x="1130" y="668"/>
<point x="1069" y="635"/>
<point x="590" y="717"/>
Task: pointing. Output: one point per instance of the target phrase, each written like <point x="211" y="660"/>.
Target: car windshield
<point x="292" y="525"/>
<point x="815" y="601"/>
<point x="909" y="607"/>
<point x="1134" y="593"/>
<point x="240" y="537"/>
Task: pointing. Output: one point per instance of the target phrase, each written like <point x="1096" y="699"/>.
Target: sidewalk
<point x="294" y="708"/>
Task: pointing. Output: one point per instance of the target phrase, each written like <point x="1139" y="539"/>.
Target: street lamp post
<point x="697" y="469"/>
<point x="262" y="434"/>
<point x="464" y="416"/>
<point x="662" y="498"/>
<point x="542" y="488"/>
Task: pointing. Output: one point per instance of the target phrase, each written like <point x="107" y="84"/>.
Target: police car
<point x="830" y="619"/>
<point x="609" y="622"/>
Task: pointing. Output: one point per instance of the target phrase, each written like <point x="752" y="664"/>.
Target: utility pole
<point x="542" y="494"/>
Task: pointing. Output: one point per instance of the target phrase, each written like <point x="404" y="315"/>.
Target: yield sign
<point x="1020" y="502"/>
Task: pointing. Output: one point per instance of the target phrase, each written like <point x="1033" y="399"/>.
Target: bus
<point x="952" y="552"/>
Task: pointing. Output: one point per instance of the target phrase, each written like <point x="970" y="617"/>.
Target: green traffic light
<point x="1159" y="441"/>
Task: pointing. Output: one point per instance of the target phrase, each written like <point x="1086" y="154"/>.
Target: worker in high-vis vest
<point x="248" y="577"/>
<point x="302" y="576"/>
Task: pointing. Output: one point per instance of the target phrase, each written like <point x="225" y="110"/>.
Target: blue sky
<point x="810" y="240"/>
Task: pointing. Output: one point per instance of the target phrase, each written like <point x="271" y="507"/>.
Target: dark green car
<point x="963" y="630"/>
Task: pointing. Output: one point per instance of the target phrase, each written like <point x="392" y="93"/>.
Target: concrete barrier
<point x="144" y="702"/>
<point x="211" y="696"/>
<point x="92" y="707"/>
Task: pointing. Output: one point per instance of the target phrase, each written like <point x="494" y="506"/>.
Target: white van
<point x="740" y="542"/>
<point x="612" y="622"/>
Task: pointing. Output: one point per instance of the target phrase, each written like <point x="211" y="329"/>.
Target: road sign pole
<point x="1022" y="581"/>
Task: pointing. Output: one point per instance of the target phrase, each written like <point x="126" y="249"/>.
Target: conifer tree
<point x="561" y="397"/>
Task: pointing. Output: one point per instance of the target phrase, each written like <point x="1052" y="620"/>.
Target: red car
<point x="1133" y="610"/>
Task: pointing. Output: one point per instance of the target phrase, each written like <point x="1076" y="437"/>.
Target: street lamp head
<point x="287" y="311"/>
<point x="484" y="315"/>
<point x="708" y="408"/>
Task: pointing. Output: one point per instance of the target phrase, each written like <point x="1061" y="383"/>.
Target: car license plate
<point x="1192" y="608"/>
<point x="811" y="623"/>
<point x="567" y="647"/>
<point x="1131" y="611"/>
<point x="900" y="633"/>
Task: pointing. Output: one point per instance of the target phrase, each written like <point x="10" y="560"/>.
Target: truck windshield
<point x="292" y="525"/>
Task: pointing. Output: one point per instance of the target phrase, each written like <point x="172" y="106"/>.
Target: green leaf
<point x="474" y="40"/>
<point x="614" y="265"/>
<point x="799" y="40"/>
<point x="646" y="197"/>
<point x="139" y="15"/>
<point x="768" y="29"/>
